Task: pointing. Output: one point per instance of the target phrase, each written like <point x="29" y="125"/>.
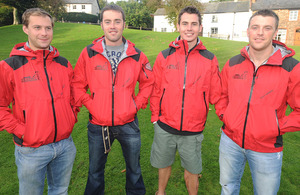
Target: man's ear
<point x="25" y="29"/>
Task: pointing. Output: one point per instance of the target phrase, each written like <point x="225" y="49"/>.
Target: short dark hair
<point x="112" y="7"/>
<point x="35" y="12"/>
<point x="190" y="10"/>
<point x="266" y="12"/>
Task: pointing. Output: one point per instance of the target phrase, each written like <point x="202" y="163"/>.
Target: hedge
<point x="79" y="17"/>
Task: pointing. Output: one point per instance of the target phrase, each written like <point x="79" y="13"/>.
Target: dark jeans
<point x="129" y="137"/>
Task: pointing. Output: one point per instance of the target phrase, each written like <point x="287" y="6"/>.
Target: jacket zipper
<point x="277" y="121"/>
<point x="184" y="82"/>
<point x="134" y="103"/>
<point x="113" y="97"/>
<point x="206" y="107"/>
<point x="52" y="99"/>
<point x="145" y="72"/>
<point x="248" y="106"/>
<point x="161" y="101"/>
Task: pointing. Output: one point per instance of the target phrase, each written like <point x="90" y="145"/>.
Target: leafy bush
<point x="79" y="17"/>
<point x="6" y="15"/>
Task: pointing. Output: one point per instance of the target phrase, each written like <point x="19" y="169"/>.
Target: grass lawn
<point x="70" y="39"/>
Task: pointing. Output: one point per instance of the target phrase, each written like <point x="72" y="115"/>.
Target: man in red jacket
<point x="186" y="81"/>
<point x="257" y="86"/>
<point x="111" y="67"/>
<point x="36" y="80"/>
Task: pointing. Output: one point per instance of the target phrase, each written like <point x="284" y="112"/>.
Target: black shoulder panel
<point x="238" y="59"/>
<point x="16" y="62"/>
<point x="289" y="63"/>
<point x="61" y="60"/>
<point x="91" y="52"/>
<point x="137" y="56"/>
<point x="168" y="52"/>
<point x="207" y="54"/>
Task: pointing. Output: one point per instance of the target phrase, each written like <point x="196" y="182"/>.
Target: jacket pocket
<point x="162" y="96"/>
<point x="134" y="104"/>
<point x="279" y="141"/>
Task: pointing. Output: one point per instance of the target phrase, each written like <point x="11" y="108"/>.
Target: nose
<point x="189" y="27"/>
<point x="260" y="31"/>
<point x="44" y="31"/>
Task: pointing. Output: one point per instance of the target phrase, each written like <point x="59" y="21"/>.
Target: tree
<point x="137" y="15"/>
<point x="153" y="5"/>
<point x="55" y="7"/>
<point x="101" y="4"/>
<point x="173" y="8"/>
<point x="211" y="1"/>
<point x="19" y="6"/>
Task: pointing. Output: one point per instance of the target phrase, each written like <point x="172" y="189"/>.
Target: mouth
<point x="259" y="39"/>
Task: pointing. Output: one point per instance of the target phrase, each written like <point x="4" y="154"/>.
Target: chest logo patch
<point x="35" y="77"/>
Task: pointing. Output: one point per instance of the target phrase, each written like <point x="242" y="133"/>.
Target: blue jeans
<point x="265" y="168"/>
<point x="129" y="137"/>
<point x="55" y="160"/>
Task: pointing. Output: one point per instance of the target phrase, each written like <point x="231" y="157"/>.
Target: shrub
<point x="79" y="17"/>
<point x="6" y="15"/>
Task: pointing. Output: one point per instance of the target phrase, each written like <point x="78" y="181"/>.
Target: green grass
<point x="70" y="39"/>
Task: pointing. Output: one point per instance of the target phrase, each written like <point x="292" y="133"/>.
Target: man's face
<point x="113" y="26"/>
<point x="261" y="31"/>
<point x="39" y="31"/>
<point x="189" y="28"/>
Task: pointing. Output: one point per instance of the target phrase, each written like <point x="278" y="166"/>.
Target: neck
<point x="259" y="57"/>
<point x="111" y="43"/>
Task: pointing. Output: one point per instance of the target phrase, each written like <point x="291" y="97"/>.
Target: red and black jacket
<point x="112" y="100"/>
<point x="254" y="101"/>
<point x="37" y="83"/>
<point x="185" y="83"/>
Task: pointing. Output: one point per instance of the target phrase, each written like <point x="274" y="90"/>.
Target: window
<point x="214" y="19"/>
<point x="163" y="29"/>
<point x="74" y="6"/>
<point x="82" y="6"/>
<point x="294" y="15"/>
<point x="281" y="35"/>
<point x="214" y="30"/>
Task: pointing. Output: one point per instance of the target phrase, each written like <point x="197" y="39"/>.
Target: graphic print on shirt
<point x="114" y="59"/>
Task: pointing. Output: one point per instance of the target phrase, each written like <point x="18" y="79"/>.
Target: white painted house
<point x="226" y="20"/>
<point x="86" y="6"/>
<point x="161" y="23"/>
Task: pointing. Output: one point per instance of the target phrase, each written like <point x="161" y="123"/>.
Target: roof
<point x="160" y="12"/>
<point x="80" y="1"/>
<point x="225" y="7"/>
<point x="275" y="4"/>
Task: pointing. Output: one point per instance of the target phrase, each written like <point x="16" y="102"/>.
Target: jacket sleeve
<point x="222" y="104"/>
<point x="79" y="85"/>
<point x="215" y="83"/>
<point x="7" y="119"/>
<point x="145" y="79"/>
<point x="291" y="122"/>
<point x="72" y="100"/>
<point x="157" y="90"/>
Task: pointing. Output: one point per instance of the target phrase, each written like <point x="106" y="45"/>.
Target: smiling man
<point x="257" y="87"/>
<point x="186" y="81"/>
<point x="111" y="67"/>
<point x="36" y="81"/>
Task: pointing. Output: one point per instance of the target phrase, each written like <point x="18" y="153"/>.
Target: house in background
<point x="226" y="20"/>
<point x="86" y="6"/>
<point x="289" y="18"/>
<point x="229" y="20"/>
<point x="161" y="23"/>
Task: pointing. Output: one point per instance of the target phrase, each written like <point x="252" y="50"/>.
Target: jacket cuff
<point x="19" y="130"/>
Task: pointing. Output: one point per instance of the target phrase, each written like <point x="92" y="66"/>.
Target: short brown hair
<point x="190" y="10"/>
<point x="112" y="7"/>
<point x="264" y="13"/>
<point x="35" y="12"/>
